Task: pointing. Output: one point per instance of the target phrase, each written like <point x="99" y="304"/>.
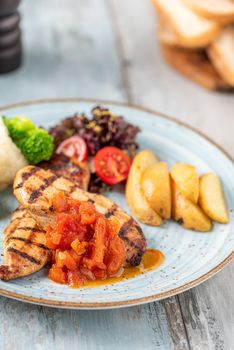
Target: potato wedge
<point x="186" y="177"/>
<point x="157" y="188"/>
<point x="134" y="193"/>
<point x="211" y="198"/>
<point x="186" y="213"/>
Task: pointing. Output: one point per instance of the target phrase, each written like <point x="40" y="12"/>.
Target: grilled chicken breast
<point x="24" y="246"/>
<point x="35" y="187"/>
<point x="24" y="240"/>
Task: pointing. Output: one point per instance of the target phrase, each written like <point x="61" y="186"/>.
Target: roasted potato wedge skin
<point x="134" y="193"/>
<point x="211" y="198"/>
<point x="157" y="189"/>
<point x="186" y="213"/>
<point x="187" y="179"/>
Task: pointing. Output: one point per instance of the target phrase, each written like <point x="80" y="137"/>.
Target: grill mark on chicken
<point x="33" y="229"/>
<point x="135" y="260"/>
<point x="37" y="193"/>
<point x="136" y="245"/>
<point x="26" y="176"/>
<point x="61" y="165"/>
<point x="60" y="162"/>
<point x="68" y="178"/>
<point x="26" y="228"/>
<point x="91" y="201"/>
<point x="138" y="228"/>
<point x="131" y="243"/>
<point x="72" y="189"/>
<point x="24" y="255"/>
<point x="125" y="227"/>
<point x="28" y="241"/>
<point x="18" y="210"/>
<point x="110" y="211"/>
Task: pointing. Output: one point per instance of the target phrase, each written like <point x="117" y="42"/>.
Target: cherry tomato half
<point x="112" y="165"/>
<point x="75" y="147"/>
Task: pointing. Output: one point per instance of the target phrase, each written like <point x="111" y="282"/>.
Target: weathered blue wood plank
<point x="68" y="51"/>
<point x="25" y="326"/>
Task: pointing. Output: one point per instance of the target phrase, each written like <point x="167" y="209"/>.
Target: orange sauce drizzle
<point x="151" y="260"/>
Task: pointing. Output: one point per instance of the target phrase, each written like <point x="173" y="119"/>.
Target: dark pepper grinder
<point x="10" y="36"/>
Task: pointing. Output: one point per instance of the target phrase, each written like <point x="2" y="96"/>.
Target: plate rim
<point x="137" y="301"/>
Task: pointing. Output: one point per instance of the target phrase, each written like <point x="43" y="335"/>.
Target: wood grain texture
<point x="26" y="326"/>
<point x="176" y="324"/>
<point x="69" y="51"/>
<point x="107" y="49"/>
<point x="208" y="312"/>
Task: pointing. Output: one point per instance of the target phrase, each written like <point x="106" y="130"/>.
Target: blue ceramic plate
<point x="190" y="257"/>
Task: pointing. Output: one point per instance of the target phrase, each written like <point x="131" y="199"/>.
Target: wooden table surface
<point x="108" y="49"/>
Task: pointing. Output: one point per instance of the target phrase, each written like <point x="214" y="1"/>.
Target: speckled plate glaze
<point x="190" y="257"/>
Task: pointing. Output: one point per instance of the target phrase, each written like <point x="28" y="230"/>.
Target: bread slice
<point x="191" y="29"/>
<point x="221" y="54"/>
<point x="218" y="10"/>
<point x="167" y="35"/>
<point x="196" y="66"/>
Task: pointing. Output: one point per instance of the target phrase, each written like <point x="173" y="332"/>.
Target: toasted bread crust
<point x="200" y="40"/>
<point x="195" y="66"/>
<point x="167" y="36"/>
<point x="222" y="11"/>
<point x="221" y="54"/>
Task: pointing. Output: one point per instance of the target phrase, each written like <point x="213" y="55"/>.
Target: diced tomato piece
<point x="74" y="206"/>
<point x="77" y="258"/>
<point x="87" y="273"/>
<point x="99" y="274"/>
<point x="76" y="279"/>
<point x="115" y="256"/>
<point x="57" y="274"/>
<point x="49" y="243"/>
<point x="88" y="213"/>
<point x="70" y="229"/>
<point x="64" y="259"/>
<point x="100" y="230"/>
<point x="113" y="226"/>
<point x="99" y="245"/>
<point x="59" y="202"/>
<point x="52" y="238"/>
<point x="63" y="204"/>
<point x="79" y="247"/>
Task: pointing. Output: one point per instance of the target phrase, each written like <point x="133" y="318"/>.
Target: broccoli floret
<point x="18" y="127"/>
<point x="37" y="146"/>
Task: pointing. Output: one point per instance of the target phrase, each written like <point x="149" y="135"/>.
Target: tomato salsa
<point x="85" y="244"/>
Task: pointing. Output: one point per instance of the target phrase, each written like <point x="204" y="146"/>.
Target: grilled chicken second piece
<point x="61" y="165"/>
<point x="24" y="246"/>
<point x="35" y="188"/>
